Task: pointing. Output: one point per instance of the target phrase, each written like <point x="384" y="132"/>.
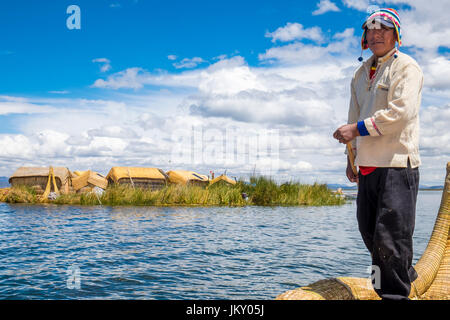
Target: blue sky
<point x="120" y="90"/>
<point x="138" y="33"/>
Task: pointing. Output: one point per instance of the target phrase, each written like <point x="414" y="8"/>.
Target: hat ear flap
<point x="398" y="35"/>
<point x="364" y="45"/>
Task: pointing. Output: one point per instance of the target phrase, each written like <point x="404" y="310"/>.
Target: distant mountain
<point x="431" y="187"/>
<point x="4" y="182"/>
<point x="334" y="186"/>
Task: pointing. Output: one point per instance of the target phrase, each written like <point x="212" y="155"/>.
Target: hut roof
<point x="117" y="173"/>
<point x="63" y="174"/>
<point x="79" y="173"/>
<point x="184" y="176"/>
<point x="85" y="178"/>
<point x="223" y="178"/>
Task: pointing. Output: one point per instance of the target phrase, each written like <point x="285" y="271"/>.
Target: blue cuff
<point x="362" y="129"/>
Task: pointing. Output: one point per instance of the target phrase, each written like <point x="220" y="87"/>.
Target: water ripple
<point x="182" y="253"/>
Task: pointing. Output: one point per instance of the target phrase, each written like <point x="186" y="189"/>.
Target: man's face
<point x="381" y="40"/>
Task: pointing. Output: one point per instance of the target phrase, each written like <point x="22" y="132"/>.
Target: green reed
<point x="261" y="191"/>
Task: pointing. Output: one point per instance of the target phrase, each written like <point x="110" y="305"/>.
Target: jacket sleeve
<point x="402" y="103"/>
<point x="353" y="112"/>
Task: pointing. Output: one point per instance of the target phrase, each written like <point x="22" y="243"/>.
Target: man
<point x="383" y="127"/>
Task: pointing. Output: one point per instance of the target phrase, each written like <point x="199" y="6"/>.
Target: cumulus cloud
<point x="113" y="132"/>
<point x="189" y="63"/>
<point x="325" y="6"/>
<point x="59" y="91"/>
<point x="434" y="143"/>
<point x="18" y="105"/>
<point x="206" y="142"/>
<point x="295" y="31"/>
<point x="435" y="134"/>
<point x="436" y="72"/>
<point x="248" y="102"/>
<point x="361" y="5"/>
<point x="229" y="96"/>
<point x="129" y="78"/>
<point x="296" y="107"/>
<point x="176" y="141"/>
<point x="136" y="78"/>
<point x="106" y="64"/>
<point x="302" y="53"/>
<point x="275" y="118"/>
<point x="423" y="24"/>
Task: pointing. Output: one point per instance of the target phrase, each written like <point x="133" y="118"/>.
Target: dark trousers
<point x="386" y="211"/>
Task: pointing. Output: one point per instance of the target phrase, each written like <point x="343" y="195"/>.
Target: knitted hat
<point x="387" y="16"/>
<point x="371" y="24"/>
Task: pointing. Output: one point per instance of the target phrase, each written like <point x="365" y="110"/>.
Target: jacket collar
<point x="368" y="63"/>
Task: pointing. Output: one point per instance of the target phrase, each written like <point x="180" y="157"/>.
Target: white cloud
<point x="189" y="63"/>
<point x="301" y="53"/>
<point x="129" y="78"/>
<point x="14" y="105"/>
<point x="299" y="90"/>
<point x="106" y="64"/>
<point x="220" y="57"/>
<point x="436" y="72"/>
<point x="59" y="92"/>
<point x="113" y="132"/>
<point x="172" y="57"/>
<point x="325" y="6"/>
<point x="130" y="136"/>
<point x="229" y="94"/>
<point x="98" y="134"/>
<point x="267" y="108"/>
<point x="15" y="146"/>
<point x="435" y="135"/>
<point x="102" y="60"/>
<point x="137" y="78"/>
<point x="295" y="31"/>
<point x="434" y="143"/>
<point x="361" y="5"/>
<point x="423" y="25"/>
<point x="302" y="166"/>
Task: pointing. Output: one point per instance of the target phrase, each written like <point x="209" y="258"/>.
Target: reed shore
<point x="261" y="191"/>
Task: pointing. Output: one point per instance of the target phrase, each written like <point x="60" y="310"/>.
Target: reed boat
<point x="433" y="269"/>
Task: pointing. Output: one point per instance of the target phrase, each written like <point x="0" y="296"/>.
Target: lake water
<point x="75" y="252"/>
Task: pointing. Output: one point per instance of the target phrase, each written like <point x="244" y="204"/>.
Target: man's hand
<point x="346" y="133"/>
<point x="350" y="175"/>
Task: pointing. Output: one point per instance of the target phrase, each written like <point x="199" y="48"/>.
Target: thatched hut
<point x="153" y="178"/>
<point x="3" y="193"/>
<point x="222" y="179"/>
<point x="88" y="179"/>
<point x="184" y="177"/>
<point x="433" y="269"/>
<point x="37" y="178"/>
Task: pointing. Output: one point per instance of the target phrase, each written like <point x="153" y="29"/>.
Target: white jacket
<point x="389" y="106"/>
